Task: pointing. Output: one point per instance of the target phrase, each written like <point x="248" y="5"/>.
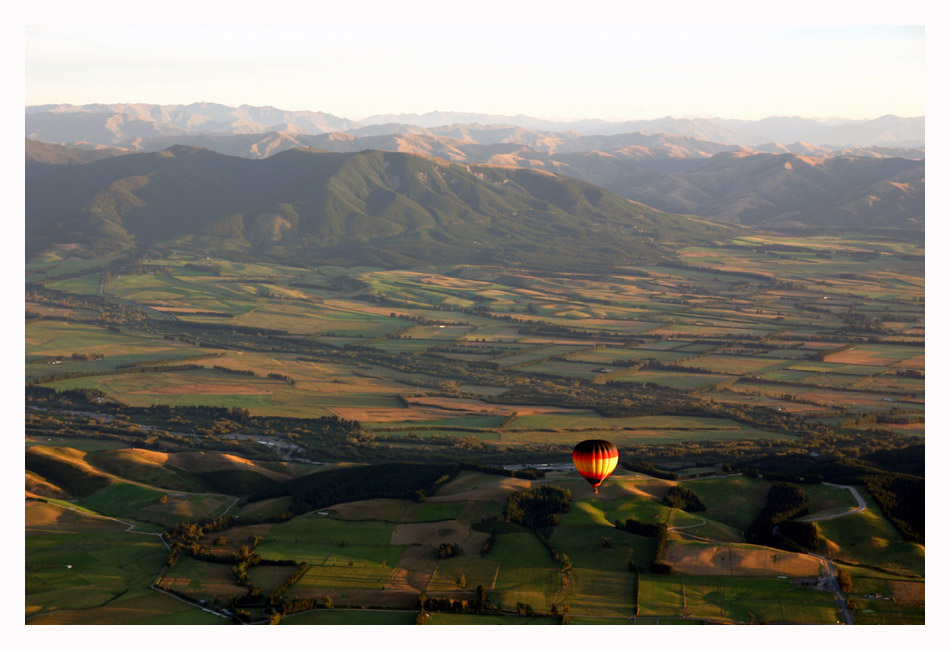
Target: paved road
<point x="830" y="583"/>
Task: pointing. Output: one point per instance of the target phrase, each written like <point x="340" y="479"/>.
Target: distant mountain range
<point x="888" y="130"/>
<point x="864" y="189"/>
<point x="110" y="124"/>
<point x="370" y="207"/>
<point x="702" y="167"/>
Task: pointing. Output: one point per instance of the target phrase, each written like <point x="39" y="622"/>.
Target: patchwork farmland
<point x="172" y="390"/>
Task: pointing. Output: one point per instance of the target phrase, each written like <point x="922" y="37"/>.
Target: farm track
<point x="861" y="507"/>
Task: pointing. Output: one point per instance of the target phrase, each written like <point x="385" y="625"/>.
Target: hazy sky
<point x="605" y="66"/>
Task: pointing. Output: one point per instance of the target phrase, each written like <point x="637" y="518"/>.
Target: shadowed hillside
<point x="383" y="208"/>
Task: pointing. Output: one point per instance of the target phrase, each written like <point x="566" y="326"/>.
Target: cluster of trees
<point x="636" y="592"/>
<point x="538" y="507"/>
<point x="235" y="371"/>
<point x="648" y="468"/>
<point x="297" y="605"/>
<point x="59" y="376"/>
<point x="892" y="474"/>
<point x="642" y="528"/>
<point x="901" y="497"/>
<point x="278" y="593"/>
<point x="107" y="312"/>
<point x="191" y="357"/>
<point x="477" y="605"/>
<point x="448" y="549"/>
<point x="489" y="543"/>
<point x="683" y="498"/>
<point x="802" y="536"/>
<point x="784" y="501"/>
<point x="647" y="529"/>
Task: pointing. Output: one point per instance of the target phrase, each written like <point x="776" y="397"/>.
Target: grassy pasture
<point x="51" y="266"/>
<point x="521" y="550"/>
<point x="150" y="608"/>
<point x="183" y="508"/>
<point x="105" y="566"/>
<point x="462" y="421"/>
<point x="163" y="288"/>
<point x="121" y="499"/>
<point x="538" y="587"/>
<point x="264" y="509"/>
<point x="693" y="557"/>
<point x="885" y="601"/>
<point x="704" y="526"/>
<point x="637" y="507"/>
<point x="825" y="499"/>
<point x="403" y="346"/>
<point x="443" y="618"/>
<point x="569" y="368"/>
<point x="83" y="284"/>
<point x="706" y="331"/>
<point x="398" y="511"/>
<point x="333" y="543"/>
<point x="144" y="467"/>
<point x="67" y="469"/>
<point x="733" y="500"/>
<point x="466" y="481"/>
<point x="591" y="420"/>
<point x="768" y="600"/>
<point x="532" y="355"/>
<point x="438" y="332"/>
<point x="732" y="364"/>
<point x="868" y="538"/>
<point x="349" y="617"/>
<point x="858" y="401"/>
<point x="202" y="580"/>
<point x="889" y="382"/>
<point x="604" y="356"/>
<point x="477" y="571"/>
<point x="679" y="380"/>
<point x="344" y="576"/>
<point x="602" y="592"/>
<point x="874" y="355"/>
<point x="57" y="338"/>
<point x="835" y="380"/>
<point x="44" y="518"/>
<point x="261" y="395"/>
<point x="787" y="375"/>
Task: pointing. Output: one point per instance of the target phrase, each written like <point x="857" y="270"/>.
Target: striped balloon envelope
<point x="595" y="460"/>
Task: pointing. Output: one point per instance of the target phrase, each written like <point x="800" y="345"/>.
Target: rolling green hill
<point x="368" y="207"/>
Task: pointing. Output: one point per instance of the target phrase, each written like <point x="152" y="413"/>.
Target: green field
<point x="441" y="618"/>
<point x="85" y="571"/>
<point x="121" y="499"/>
<point x="732" y="500"/>
<point x="731" y="599"/>
<point x="322" y="541"/>
<point x="349" y="617"/>
<point x="868" y="538"/>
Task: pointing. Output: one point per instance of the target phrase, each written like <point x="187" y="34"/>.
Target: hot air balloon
<point x="595" y="460"/>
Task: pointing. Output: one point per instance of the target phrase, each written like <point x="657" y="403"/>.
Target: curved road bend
<point x="826" y="582"/>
